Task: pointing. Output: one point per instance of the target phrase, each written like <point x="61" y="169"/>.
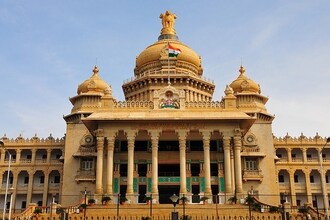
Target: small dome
<point x="243" y="84"/>
<point x="94" y="84"/>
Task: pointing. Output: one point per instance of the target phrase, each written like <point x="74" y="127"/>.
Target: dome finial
<point x="95" y="70"/>
<point x="242" y="70"/>
<point x="168" y="20"/>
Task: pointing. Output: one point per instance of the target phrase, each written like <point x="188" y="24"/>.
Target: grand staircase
<point x="156" y="211"/>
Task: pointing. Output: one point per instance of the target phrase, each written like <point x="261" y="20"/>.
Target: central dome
<point x="156" y="55"/>
<point x="155" y="51"/>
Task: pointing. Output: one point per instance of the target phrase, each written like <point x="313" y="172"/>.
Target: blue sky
<point x="48" y="48"/>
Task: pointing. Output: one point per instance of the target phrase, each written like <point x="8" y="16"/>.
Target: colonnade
<point x="233" y="180"/>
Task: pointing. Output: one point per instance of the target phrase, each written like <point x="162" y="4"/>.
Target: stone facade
<point x="168" y="136"/>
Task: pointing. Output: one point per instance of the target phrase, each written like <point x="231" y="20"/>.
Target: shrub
<point x="37" y="211"/>
<point x="105" y="199"/>
<point x="91" y="201"/>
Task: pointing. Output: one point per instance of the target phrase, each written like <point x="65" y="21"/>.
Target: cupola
<point x="243" y="84"/>
<point x="94" y="84"/>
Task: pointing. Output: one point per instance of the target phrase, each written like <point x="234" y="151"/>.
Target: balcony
<point x="85" y="176"/>
<point x="85" y="152"/>
<point x="252" y="151"/>
<point x="252" y="175"/>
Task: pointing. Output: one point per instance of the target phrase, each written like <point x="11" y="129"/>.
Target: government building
<point x="168" y="136"/>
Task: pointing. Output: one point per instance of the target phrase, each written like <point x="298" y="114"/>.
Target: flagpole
<point x="168" y="63"/>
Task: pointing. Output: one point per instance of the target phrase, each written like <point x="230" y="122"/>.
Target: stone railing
<point x="165" y="73"/>
<point x="134" y="104"/>
<point x="199" y="105"/>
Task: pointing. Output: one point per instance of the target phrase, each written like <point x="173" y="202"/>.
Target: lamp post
<point x="174" y="198"/>
<point x="11" y="202"/>
<point x="151" y="206"/>
<point x="7" y="182"/>
<point x="323" y="185"/>
<point x="85" y="206"/>
<point x="118" y="200"/>
<point x="184" y="199"/>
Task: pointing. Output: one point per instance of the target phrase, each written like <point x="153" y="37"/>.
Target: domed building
<point x="167" y="137"/>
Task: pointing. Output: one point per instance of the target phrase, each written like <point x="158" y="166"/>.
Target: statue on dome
<point x="168" y="20"/>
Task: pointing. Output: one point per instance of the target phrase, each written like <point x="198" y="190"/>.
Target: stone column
<point x="182" y="134"/>
<point x="238" y="163"/>
<point x="33" y="156"/>
<point x="49" y="151"/>
<point x="45" y="192"/>
<point x="308" y="187"/>
<point x="154" y="134"/>
<point x="30" y="187"/>
<point x="15" y="183"/>
<point x="207" y="163"/>
<point x="228" y="183"/>
<point x="3" y="154"/>
<point x="130" y="163"/>
<point x="232" y="167"/>
<point x="99" y="162"/>
<point x="111" y="146"/>
<point x="289" y="155"/>
<point x="292" y="188"/>
<point x="18" y="156"/>
<point x="323" y="184"/>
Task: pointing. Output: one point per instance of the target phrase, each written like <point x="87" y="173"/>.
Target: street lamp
<point x="324" y="190"/>
<point x="174" y="198"/>
<point x="85" y="206"/>
<point x="118" y="200"/>
<point x="7" y="183"/>
<point x="11" y="202"/>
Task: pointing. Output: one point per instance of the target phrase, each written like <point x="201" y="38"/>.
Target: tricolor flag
<point x="173" y="51"/>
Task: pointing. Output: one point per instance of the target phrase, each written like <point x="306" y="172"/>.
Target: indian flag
<point x="173" y="51"/>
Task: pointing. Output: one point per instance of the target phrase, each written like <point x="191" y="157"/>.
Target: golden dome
<point x="243" y="84"/>
<point x="157" y="52"/>
<point x="94" y="84"/>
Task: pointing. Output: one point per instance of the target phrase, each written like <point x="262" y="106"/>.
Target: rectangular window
<point x="251" y="164"/>
<point x="296" y="178"/>
<point x="311" y="179"/>
<point x="326" y="179"/>
<point x="44" y="156"/>
<point x="87" y="164"/>
<point x="309" y="156"/>
<point x="293" y="155"/>
<point x="29" y="156"/>
<point x="281" y="178"/>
